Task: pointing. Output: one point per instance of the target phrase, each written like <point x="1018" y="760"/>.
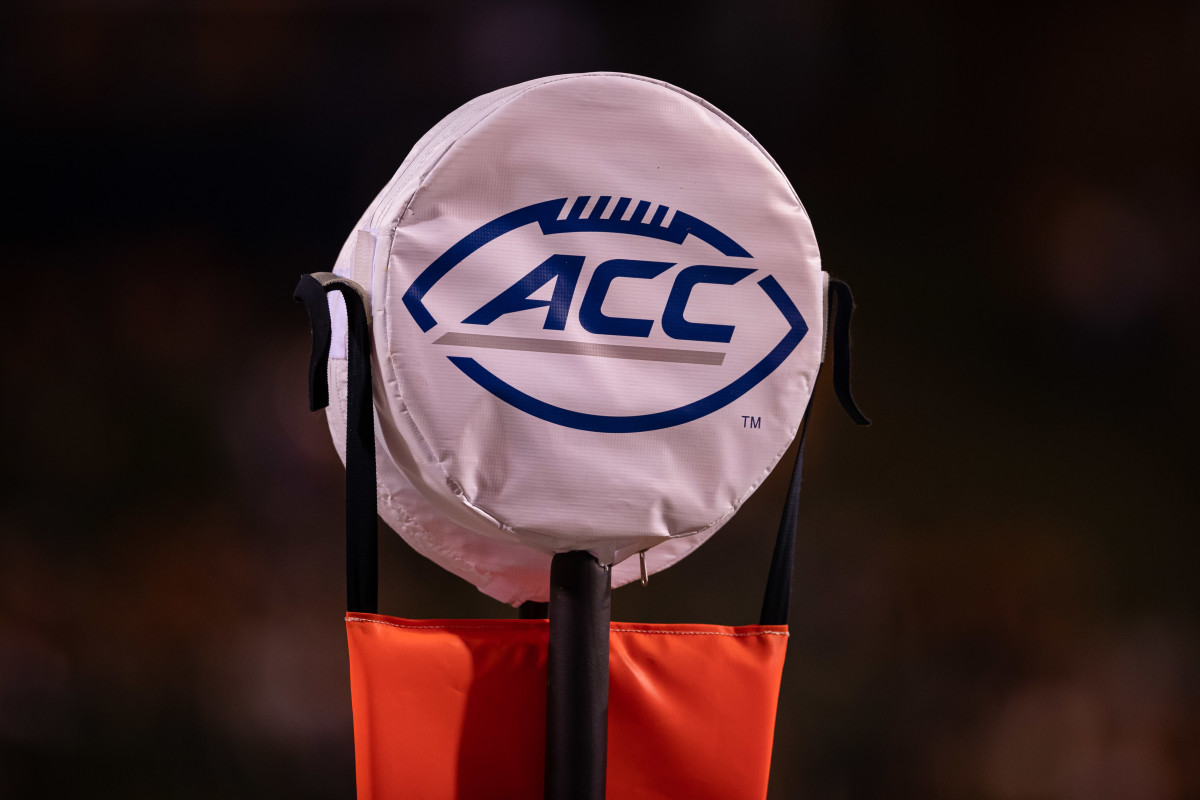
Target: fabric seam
<point x="614" y="630"/>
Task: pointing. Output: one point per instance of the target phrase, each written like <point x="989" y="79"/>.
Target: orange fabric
<point x="456" y="709"/>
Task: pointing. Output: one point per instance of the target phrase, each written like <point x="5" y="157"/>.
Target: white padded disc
<point x="597" y="317"/>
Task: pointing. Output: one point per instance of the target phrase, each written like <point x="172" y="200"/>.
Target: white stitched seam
<point x="614" y="630"/>
<point x="426" y="627"/>
<point x="701" y="633"/>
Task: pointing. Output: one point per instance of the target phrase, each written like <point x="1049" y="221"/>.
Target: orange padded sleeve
<point x="455" y="709"/>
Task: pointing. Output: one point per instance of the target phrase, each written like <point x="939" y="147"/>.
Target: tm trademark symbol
<point x="751" y="422"/>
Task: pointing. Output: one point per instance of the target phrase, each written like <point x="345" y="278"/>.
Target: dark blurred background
<point x="996" y="584"/>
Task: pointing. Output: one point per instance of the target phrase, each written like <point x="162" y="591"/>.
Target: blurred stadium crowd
<point x="997" y="592"/>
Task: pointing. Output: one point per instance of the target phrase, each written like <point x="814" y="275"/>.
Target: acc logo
<point x="564" y="270"/>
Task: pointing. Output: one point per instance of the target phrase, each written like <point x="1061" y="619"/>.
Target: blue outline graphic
<point x="545" y="214"/>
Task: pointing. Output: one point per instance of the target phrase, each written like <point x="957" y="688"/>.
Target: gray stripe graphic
<point x="583" y="348"/>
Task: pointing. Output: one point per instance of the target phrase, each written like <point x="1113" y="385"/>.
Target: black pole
<point x="577" y="691"/>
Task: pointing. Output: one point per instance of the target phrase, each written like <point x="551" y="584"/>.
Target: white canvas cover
<point x="597" y="315"/>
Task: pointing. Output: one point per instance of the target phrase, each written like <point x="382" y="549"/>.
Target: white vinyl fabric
<point x="597" y="315"/>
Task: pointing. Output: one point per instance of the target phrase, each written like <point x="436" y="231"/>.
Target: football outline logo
<point x="546" y="214"/>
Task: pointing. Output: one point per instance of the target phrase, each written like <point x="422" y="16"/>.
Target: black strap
<point x="840" y="322"/>
<point x="778" y="596"/>
<point x="362" y="542"/>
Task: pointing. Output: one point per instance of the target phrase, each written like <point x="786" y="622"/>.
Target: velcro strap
<point x="362" y="542"/>
<point x="840" y="319"/>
